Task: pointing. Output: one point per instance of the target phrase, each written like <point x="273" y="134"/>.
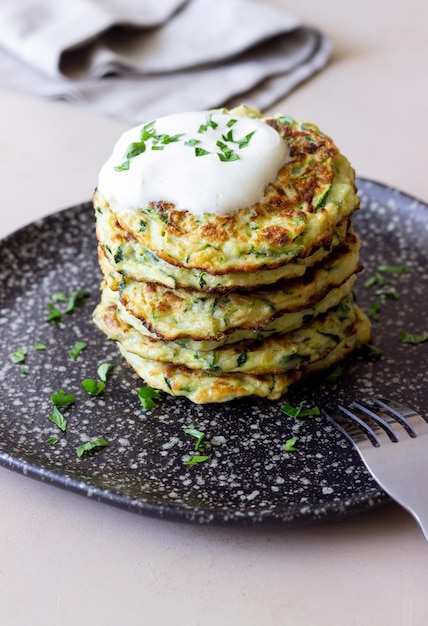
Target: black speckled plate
<point x="249" y="478"/>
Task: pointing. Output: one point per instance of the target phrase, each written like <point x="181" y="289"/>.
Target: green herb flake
<point x="194" y="459"/>
<point x="104" y="370"/>
<point x="199" y="435"/>
<point x="58" y="419"/>
<point x="93" y="387"/>
<point x="61" y="398"/>
<point x="55" y="314"/>
<point x="405" y="337"/>
<point x="134" y="149"/>
<point x="394" y="269"/>
<point x="91" y="445"/>
<point x="231" y="123"/>
<point x="243" y="143"/>
<point x="52" y="441"/>
<point x="373" y="311"/>
<point x="388" y="292"/>
<point x="148" y="396"/>
<point x="122" y="168"/>
<point x="209" y="123"/>
<point x="334" y="374"/>
<point x="78" y="347"/>
<point x="25" y="370"/>
<point x="290" y="444"/>
<point x="226" y="154"/>
<point x="372" y="352"/>
<point x="76" y="299"/>
<point x="39" y="346"/>
<point x="299" y="411"/>
<point x="201" y="152"/>
<point x="59" y="297"/>
<point x="192" y="142"/>
<point x="19" y="355"/>
<point x="148" y="131"/>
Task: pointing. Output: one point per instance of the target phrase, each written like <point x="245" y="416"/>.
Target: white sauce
<point x="199" y="184"/>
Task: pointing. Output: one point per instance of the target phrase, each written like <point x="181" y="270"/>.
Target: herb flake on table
<point x="299" y="411"/>
<point x="61" y="399"/>
<point x="52" y="441"/>
<point x="410" y="338"/>
<point x="104" y="370"/>
<point x="290" y="444"/>
<point x="19" y="356"/>
<point x="89" y="446"/>
<point x="148" y="396"/>
<point x="58" y="419"/>
<point x="93" y="387"/>
<point x="199" y="435"/>
<point x="78" y="347"/>
<point x="195" y="459"/>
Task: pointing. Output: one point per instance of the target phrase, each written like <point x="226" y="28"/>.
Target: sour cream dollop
<point x="199" y="161"/>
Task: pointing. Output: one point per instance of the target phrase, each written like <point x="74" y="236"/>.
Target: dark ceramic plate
<point x="249" y="478"/>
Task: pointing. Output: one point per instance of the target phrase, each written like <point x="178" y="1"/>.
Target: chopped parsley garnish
<point x="148" y="396"/>
<point x="194" y="459"/>
<point x="72" y="301"/>
<point x="334" y="374"/>
<point x="373" y="310"/>
<point x="61" y="398"/>
<point x="226" y="154"/>
<point x="384" y="289"/>
<point x="76" y="299"/>
<point x="372" y="352"/>
<point x="58" y="419"/>
<point x="93" y="387"/>
<point x="19" y="355"/>
<point x="52" y="440"/>
<point x="290" y="444"/>
<point x="299" y="411"/>
<point x="39" y="346"/>
<point x="192" y="142"/>
<point x="25" y="370"/>
<point x="55" y="314"/>
<point x="91" y="445"/>
<point x="412" y="339"/>
<point x="104" y="370"/>
<point x="209" y="123"/>
<point x="78" y="347"/>
<point x="197" y="434"/>
<point x="394" y="269"/>
<point x="201" y="152"/>
<point x="158" y="141"/>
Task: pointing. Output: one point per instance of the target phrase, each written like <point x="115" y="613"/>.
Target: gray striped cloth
<point x="139" y="59"/>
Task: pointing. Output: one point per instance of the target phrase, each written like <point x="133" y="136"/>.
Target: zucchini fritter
<point x="215" y="306"/>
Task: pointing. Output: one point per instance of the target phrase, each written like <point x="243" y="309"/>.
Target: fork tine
<point x="362" y="431"/>
<point x="412" y="421"/>
<point x="379" y="421"/>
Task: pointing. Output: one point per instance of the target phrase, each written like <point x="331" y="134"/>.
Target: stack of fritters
<point x="217" y="307"/>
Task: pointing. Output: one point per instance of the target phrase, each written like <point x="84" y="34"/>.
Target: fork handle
<point x="407" y="487"/>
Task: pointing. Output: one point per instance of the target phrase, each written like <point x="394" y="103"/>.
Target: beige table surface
<point x="65" y="560"/>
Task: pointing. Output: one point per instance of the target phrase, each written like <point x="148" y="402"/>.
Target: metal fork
<point x="392" y="440"/>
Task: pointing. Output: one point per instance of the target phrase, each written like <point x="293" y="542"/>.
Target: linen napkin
<point x="140" y="59"/>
